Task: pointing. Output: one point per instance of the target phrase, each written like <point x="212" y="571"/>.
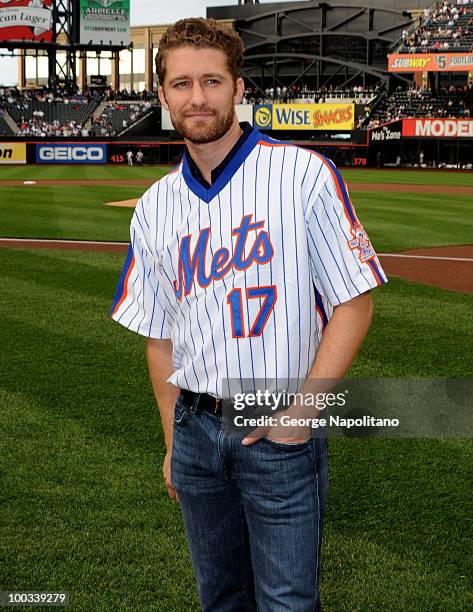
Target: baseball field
<point x="83" y="505"/>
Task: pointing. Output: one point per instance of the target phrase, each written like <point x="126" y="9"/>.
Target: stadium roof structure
<point x="324" y="42"/>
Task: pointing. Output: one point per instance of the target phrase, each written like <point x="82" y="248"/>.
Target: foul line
<point x="60" y="241"/>
<point x="424" y="257"/>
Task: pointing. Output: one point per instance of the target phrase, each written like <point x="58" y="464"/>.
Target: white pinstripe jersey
<point x="243" y="276"/>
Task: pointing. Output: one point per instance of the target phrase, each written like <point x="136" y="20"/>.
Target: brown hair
<point x="201" y="33"/>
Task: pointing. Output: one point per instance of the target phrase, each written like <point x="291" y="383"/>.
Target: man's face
<point x="200" y="93"/>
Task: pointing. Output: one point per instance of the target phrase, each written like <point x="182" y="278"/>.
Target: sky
<point x="143" y="12"/>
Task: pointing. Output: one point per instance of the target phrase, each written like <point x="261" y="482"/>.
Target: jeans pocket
<point x="180" y="412"/>
<point x="287" y="445"/>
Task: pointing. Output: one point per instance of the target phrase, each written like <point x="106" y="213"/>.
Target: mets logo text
<point x="193" y="266"/>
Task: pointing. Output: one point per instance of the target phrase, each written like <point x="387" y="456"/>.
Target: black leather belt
<point x="204" y="402"/>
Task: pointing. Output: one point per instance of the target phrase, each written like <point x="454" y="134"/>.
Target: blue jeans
<point x="253" y="515"/>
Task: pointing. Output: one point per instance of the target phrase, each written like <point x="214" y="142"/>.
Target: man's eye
<point x="181" y="84"/>
<point x="212" y="81"/>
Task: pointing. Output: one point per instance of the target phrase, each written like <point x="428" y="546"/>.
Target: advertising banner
<point x="26" y="20"/>
<point x="430" y="62"/>
<point x="105" y="22"/>
<point x="304" y="116"/>
<point x="263" y="116"/>
<point x="391" y="132"/>
<point x="438" y="128"/>
<point x="58" y="153"/>
<point x="12" y="153"/>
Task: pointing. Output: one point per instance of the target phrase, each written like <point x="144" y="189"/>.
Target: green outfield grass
<point x="73" y="212"/>
<point x="408" y="177"/>
<point x="83" y="504"/>
<point x="65" y="172"/>
<point x="85" y="508"/>
<point x="405" y="221"/>
<point x="355" y="175"/>
<point x="396" y="221"/>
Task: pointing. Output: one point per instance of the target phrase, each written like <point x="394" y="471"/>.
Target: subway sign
<point x="58" y="153"/>
<point x="430" y="62"/>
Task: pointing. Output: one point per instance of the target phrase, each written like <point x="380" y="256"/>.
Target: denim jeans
<point x="253" y="515"/>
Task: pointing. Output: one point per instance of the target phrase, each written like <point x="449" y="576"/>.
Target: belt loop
<point x="195" y="403"/>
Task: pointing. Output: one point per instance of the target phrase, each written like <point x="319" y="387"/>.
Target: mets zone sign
<point x="389" y="132"/>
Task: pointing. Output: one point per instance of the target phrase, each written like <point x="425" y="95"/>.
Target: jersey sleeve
<point x="343" y="261"/>
<point x="139" y="303"/>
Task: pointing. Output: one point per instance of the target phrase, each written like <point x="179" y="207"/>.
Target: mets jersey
<point x="243" y="276"/>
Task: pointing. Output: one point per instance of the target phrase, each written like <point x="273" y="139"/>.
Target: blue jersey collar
<point x="236" y="160"/>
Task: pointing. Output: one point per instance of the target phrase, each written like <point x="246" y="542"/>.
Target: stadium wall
<point x="390" y="145"/>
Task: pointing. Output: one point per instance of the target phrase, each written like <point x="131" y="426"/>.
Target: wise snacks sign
<point x="29" y="20"/>
<point x="437" y="128"/>
<point x="304" y="116"/>
<point x="430" y="62"/>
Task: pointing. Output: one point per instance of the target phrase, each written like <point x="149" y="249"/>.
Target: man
<point x="129" y="157"/>
<point x="139" y="157"/>
<point x="246" y="262"/>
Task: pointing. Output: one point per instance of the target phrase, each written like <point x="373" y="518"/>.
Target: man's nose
<point x="198" y="95"/>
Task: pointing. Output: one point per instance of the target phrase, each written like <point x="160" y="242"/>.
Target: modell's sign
<point x="430" y="62"/>
<point x="438" y="128"/>
<point x="29" y="20"/>
<point x="387" y="133"/>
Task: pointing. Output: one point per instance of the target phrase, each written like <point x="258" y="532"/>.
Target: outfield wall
<point x="87" y="152"/>
<point x="426" y="141"/>
<point x="404" y="143"/>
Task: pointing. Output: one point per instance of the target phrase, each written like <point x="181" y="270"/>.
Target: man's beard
<point x="205" y="130"/>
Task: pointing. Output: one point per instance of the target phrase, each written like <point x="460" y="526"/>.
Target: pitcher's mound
<point x="128" y="203"/>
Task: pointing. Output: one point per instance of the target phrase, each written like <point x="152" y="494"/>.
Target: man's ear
<point x="239" y="90"/>
<point x="162" y="99"/>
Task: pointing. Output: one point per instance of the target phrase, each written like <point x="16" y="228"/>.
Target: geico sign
<point x="445" y="128"/>
<point x="71" y="153"/>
